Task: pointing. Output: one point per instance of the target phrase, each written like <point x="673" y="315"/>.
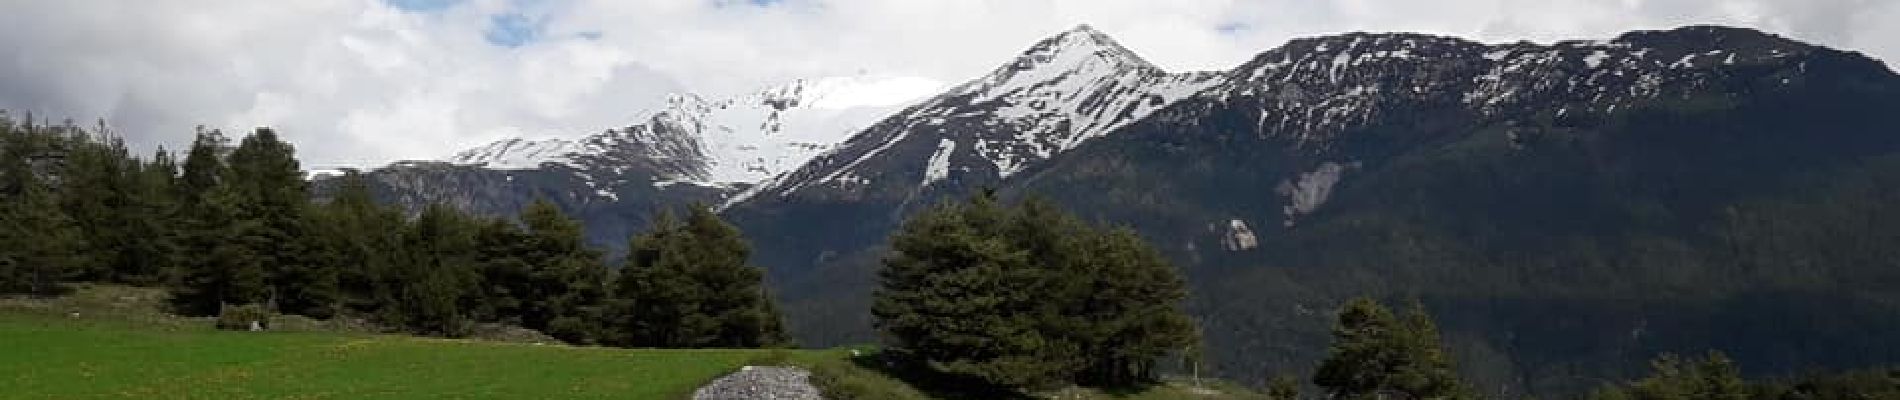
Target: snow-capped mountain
<point x="722" y="141"/>
<point x="1060" y="93"/>
<point x="1350" y="164"/>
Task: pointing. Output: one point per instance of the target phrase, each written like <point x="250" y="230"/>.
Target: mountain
<point x="694" y="149"/>
<point x="1060" y="93"/>
<point x="1568" y="210"/>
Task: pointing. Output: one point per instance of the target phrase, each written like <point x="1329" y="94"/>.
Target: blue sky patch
<point x="513" y="30"/>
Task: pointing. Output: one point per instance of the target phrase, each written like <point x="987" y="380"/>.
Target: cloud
<point x="362" y="82"/>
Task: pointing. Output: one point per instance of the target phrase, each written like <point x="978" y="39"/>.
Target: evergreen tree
<point x="1377" y="355"/>
<point x="96" y="191"/>
<point x="204" y="167"/>
<point x="947" y="298"/>
<point x="564" y="276"/>
<point x="688" y="284"/>
<point x="435" y="276"/>
<point x="39" y="245"/>
<point x="152" y="220"/>
<point x="358" y="239"/>
<point x="504" y="280"/>
<point x="1712" y="377"/>
<point x="217" y="264"/>
<point x="1027" y="295"/>
<point x="269" y="184"/>
<point x="220" y="266"/>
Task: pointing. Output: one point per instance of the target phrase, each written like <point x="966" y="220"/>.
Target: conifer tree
<point x="1711" y="377"/>
<point x="39" y="245"/>
<point x="688" y="284"/>
<point x="1376" y="354"/>
<point x="435" y="275"/>
<point x="956" y="295"/>
<point x="152" y="220"/>
<point x="220" y="267"/>
<point x="96" y="192"/>
<point x="272" y="195"/>
<point x="1027" y="295"/>
<point x="358" y="239"/>
<point x="564" y="276"/>
<point x="217" y="266"/>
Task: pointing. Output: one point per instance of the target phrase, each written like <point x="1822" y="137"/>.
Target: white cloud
<point x="361" y="82"/>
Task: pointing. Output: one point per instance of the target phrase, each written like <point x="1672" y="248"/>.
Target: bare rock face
<point x="761" y="383"/>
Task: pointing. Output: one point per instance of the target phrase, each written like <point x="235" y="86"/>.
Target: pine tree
<point x="1376" y="354"/>
<point x="956" y="294"/>
<point x="216" y="266"/>
<point x="435" y="276"/>
<point x="265" y="175"/>
<point x="565" y="277"/>
<point x="1028" y="295"/>
<point x="151" y="220"/>
<point x="96" y="192"/>
<point x="688" y="284"/>
<point x="219" y="268"/>
<point x="39" y="245"/>
<point x="504" y="281"/>
<point x="204" y="167"/>
<point x="1711" y="377"/>
<point x="358" y="239"/>
<point x="737" y="299"/>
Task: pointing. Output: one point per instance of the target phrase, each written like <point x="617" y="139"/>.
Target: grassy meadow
<point x="110" y="342"/>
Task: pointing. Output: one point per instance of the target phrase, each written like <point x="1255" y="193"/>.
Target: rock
<point x="761" y="383"/>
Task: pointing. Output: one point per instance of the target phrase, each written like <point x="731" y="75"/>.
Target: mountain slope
<point x="1567" y="209"/>
<point x="694" y="149"/>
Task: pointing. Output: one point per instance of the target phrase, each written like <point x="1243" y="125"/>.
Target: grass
<point x="54" y="358"/>
<point x="109" y="342"/>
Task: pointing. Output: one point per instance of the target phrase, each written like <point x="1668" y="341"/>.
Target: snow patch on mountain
<point x="1071" y="88"/>
<point x="740" y="139"/>
<point x="516" y="153"/>
<point x="939" y="166"/>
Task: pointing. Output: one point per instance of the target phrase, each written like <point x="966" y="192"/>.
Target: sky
<point x="367" y="82"/>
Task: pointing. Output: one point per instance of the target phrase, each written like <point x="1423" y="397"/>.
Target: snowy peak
<point x="1313" y="89"/>
<point x="704" y="140"/>
<point x="515" y="153"/>
<point x="1063" y="91"/>
<point x="1059" y="93"/>
<point x="1082" y="51"/>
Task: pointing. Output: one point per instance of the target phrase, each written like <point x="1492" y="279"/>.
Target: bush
<point x="240" y="318"/>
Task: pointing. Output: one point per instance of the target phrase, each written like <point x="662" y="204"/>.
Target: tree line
<point x="234" y="225"/>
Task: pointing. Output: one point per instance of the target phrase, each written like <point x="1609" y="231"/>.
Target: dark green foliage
<point x="688" y="284"/>
<point x="1028" y="296"/>
<point x="360" y="240"/>
<point x="96" y="190"/>
<point x="40" y="246"/>
<point x="563" y="279"/>
<point x="219" y="263"/>
<point x="272" y="197"/>
<point x="1377" y="355"/>
<point x="432" y="283"/>
<point x="1712" y="377"/>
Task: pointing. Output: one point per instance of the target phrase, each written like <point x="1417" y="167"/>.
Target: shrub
<point x="240" y="318"/>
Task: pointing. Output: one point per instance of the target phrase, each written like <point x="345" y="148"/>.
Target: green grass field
<point x="51" y="358"/>
<point x="118" y="347"/>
